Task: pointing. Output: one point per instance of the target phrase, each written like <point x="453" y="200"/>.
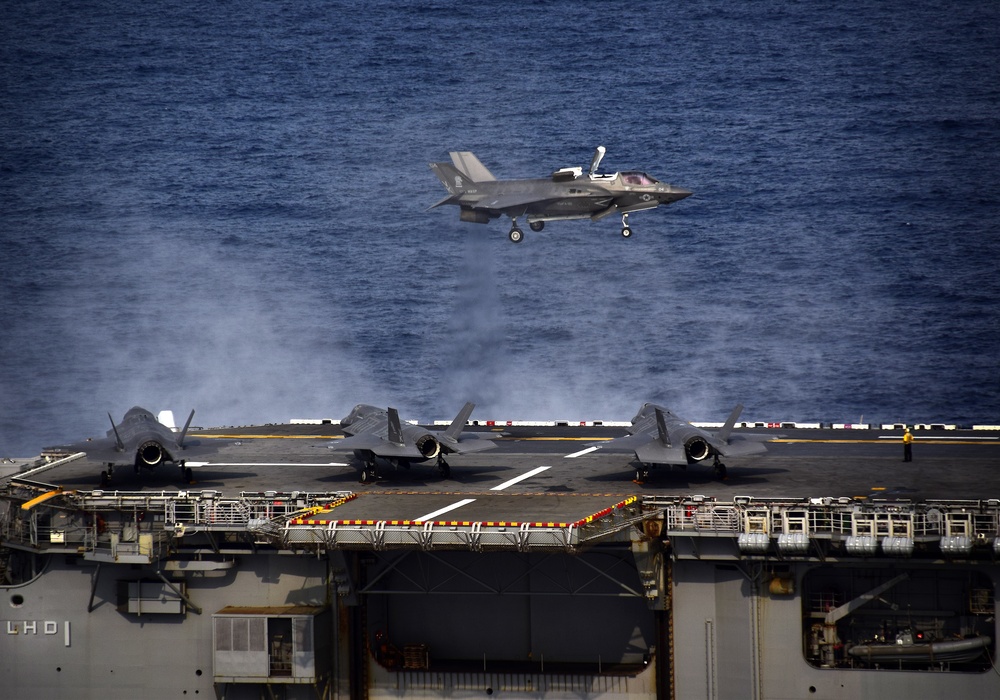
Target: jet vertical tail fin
<point x="455" y="429"/>
<point x="187" y="424"/>
<point x="661" y="429"/>
<point x="723" y="434"/>
<point x="466" y="162"/>
<point x="395" y="429"/>
<point x="119" y="445"/>
<point x="454" y="180"/>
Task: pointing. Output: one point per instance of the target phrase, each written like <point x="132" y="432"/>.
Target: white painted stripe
<point x="446" y="509"/>
<point x="265" y="464"/>
<point x="526" y="475"/>
<point x="581" y="453"/>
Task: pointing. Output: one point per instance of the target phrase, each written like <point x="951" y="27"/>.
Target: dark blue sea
<point x="224" y="206"/>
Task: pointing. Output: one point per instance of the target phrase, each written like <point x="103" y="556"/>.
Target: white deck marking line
<point x="453" y="506"/>
<point x="266" y="464"/>
<point x="581" y="453"/>
<point x="526" y="475"/>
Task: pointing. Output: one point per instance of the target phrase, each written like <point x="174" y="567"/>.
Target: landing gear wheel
<point x="366" y="476"/>
<point x="720" y="471"/>
<point x="444" y="470"/>
<point x="640" y="474"/>
<point x="105" y="478"/>
<point x="516" y="235"/>
<point x="187" y="474"/>
<point x="537" y="225"/>
<point x="626" y="231"/>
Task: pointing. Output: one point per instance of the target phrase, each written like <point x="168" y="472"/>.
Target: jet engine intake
<point x="429" y="446"/>
<point x="151" y="453"/>
<point x="697" y="449"/>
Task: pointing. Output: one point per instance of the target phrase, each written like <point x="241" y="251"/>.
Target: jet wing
<point x="373" y="443"/>
<point x="466" y="443"/>
<point x="372" y="425"/>
<point x="647" y="448"/>
<point x="741" y="445"/>
<point x="98" y="449"/>
<point x="653" y="452"/>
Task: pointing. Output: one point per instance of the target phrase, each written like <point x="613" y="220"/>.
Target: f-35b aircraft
<point x="140" y="440"/>
<point x="658" y="436"/>
<point x="378" y="433"/>
<point x="567" y="194"/>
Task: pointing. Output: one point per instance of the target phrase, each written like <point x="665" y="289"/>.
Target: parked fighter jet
<point x="567" y="194"/>
<point x="139" y="440"/>
<point x="658" y="436"/>
<point x="377" y="432"/>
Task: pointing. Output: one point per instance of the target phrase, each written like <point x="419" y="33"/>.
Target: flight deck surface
<point x="552" y="474"/>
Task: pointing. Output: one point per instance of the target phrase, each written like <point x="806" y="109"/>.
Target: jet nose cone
<point x="674" y="194"/>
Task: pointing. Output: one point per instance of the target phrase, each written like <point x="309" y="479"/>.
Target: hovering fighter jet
<point x="139" y="440"/>
<point x="658" y="436"/>
<point x="377" y="432"/>
<point x="567" y="194"/>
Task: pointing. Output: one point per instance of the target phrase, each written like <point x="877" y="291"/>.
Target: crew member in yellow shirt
<point x="907" y="446"/>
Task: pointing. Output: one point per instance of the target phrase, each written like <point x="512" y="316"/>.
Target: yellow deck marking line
<point x="888" y="441"/>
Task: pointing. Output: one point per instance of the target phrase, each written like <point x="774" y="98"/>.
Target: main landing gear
<point x="443" y="469"/>
<point x="369" y="470"/>
<point x="516" y="235"/>
<point x="642" y="471"/>
<point x="187" y="476"/>
<point x="626" y="230"/>
<point x="720" y="469"/>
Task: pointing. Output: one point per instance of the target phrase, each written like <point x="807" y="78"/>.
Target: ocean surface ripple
<point x="223" y="206"/>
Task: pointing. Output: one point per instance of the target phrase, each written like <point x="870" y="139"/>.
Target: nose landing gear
<point x="626" y="230"/>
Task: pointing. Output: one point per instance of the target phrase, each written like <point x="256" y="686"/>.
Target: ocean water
<point x="223" y="206"/>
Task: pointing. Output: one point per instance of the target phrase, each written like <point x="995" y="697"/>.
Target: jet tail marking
<point x="730" y="422"/>
<point x="455" y="429"/>
<point x="395" y="430"/>
<point x="452" y="178"/>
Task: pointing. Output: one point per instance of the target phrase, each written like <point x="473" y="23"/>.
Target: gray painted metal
<point x="568" y="194"/>
<point x="586" y="613"/>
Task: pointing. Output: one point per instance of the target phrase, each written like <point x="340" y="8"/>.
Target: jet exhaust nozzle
<point x="429" y="446"/>
<point x="697" y="449"/>
<point x="151" y="453"/>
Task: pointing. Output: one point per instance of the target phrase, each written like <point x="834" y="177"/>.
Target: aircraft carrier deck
<point x="825" y="568"/>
